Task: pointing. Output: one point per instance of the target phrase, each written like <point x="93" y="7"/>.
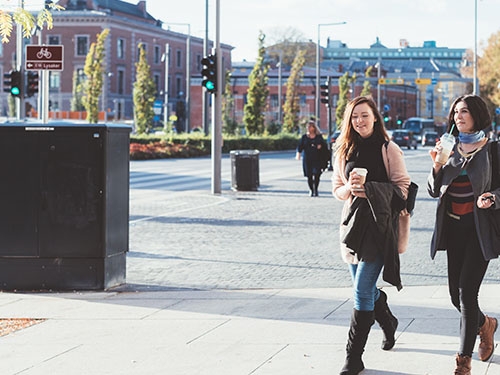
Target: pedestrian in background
<point x="313" y="150"/>
<point x="462" y="227"/>
<point x="369" y="224"/>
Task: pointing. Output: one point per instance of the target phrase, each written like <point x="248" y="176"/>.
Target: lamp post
<point x="188" y="71"/>
<point x="474" y="84"/>
<point x="165" y="59"/>
<point x="318" y="78"/>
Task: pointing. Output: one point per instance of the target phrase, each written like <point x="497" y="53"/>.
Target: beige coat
<point x="395" y="166"/>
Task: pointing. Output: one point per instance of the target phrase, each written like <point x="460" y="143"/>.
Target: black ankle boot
<point x="361" y="322"/>
<point x="386" y="320"/>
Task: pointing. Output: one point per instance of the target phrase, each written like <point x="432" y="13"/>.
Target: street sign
<point x="45" y="57"/>
<point x="497" y="110"/>
<point x="387" y="107"/>
<point x="434" y="81"/>
<point x="157" y="107"/>
<point x="423" y="81"/>
<point x="391" y="81"/>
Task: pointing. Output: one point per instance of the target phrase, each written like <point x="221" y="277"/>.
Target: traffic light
<point x="32" y="86"/>
<point x="386" y="117"/>
<point x="16" y="83"/>
<point x="209" y="73"/>
<point x="7" y="81"/>
<point x="399" y="121"/>
<point x="325" y="93"/>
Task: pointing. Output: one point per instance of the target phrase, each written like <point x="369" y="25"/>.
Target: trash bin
<point x="244" y="170"/>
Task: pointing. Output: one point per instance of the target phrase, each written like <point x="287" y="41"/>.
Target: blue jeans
<point x="364" y="278"/>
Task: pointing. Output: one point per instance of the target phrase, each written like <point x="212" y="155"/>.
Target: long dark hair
<point x="478" y="110"/>
<point x="348" y="138"/>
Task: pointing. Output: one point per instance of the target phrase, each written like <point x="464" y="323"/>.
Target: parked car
<point x="404" y="138"/>
<point x="430" y="138"/>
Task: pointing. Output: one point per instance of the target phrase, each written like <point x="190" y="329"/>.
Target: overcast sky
<point x="450" y="23"/>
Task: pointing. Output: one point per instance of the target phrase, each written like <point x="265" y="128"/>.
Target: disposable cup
<point x="447" y="143"/>
<point x="361" y="172"/>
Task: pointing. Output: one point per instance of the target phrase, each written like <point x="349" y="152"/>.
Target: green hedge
<point x="189" y="145"/>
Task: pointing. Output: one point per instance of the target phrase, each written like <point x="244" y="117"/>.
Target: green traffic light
<point x="15" y="91"/>
<point x="210" y="85"/>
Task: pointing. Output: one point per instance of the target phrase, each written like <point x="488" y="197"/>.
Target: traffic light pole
<point x="20" y="68"/>
<point x="217" y="110"/>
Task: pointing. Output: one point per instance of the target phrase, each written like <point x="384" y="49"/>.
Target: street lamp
<point x="318" y="78"/>
<point x="188" y="71"/>
<point x="474" y="85"/>
<point x="165" y="59"/>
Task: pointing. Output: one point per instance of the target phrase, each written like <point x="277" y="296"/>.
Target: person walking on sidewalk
<point x="313" y="148"/>
<point x="462" y="228"/>
<point x="368" y="233"/>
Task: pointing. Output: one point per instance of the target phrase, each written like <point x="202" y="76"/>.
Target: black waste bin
<point x="64" y="206"/>
<point x="245" y="170"/>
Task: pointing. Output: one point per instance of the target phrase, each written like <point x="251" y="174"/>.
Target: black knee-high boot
<point x="361" y="322"/>
<point x="386" y="320"/>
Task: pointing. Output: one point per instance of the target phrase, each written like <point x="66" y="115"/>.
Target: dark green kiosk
<point x="64" y="206"/>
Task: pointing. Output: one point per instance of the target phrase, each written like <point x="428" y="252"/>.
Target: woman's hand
<point x="486" y="200"/>
<point x="356" y="185"/>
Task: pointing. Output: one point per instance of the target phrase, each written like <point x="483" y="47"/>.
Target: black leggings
<point x="466" y="270"/>
<point x="313" y="179"/>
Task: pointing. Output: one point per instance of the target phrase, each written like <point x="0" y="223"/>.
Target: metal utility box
<point x="64" y="206"/>
<point x="245" y="169"/>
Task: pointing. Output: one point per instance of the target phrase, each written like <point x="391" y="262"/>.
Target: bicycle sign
<point x="47" y="57"/>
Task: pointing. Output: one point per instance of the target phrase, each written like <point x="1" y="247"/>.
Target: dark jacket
<point x="374" y="227"/>
<point x="314" y="159"/>
<point x="479" y="172"/>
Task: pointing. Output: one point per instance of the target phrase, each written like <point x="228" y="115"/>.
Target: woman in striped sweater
<point x="462" y="225"/>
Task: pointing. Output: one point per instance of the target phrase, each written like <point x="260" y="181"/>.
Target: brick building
<point x="130" y="25"/>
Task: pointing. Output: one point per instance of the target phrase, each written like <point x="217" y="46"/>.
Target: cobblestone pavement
<point x="276" y="237"/>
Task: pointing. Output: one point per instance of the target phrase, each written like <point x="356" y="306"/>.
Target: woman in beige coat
<point x="364" y="143"/>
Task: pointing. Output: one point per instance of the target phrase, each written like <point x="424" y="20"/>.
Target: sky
<point x="451" y="23"/>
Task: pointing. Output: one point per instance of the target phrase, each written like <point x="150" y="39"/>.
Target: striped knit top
<point x="461" y="196"/>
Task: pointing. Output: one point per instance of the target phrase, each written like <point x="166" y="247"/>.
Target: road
<point x="182" y="236"/>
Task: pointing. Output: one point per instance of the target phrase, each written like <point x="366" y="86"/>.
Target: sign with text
<point x="423" y="81"/>
<point x="391" y="81"/>
<point x="49" y="57"/>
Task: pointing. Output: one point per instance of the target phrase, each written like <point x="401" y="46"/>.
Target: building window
<point x="157" y="55"/>
<point x="143" y="46"/>
<point x="54" y="81"/>
<point x="274" y="100"/>
<point x="121" y="82"/>
<point x="178" y="86"/>
<point x="120" y="48"/>
<point x="54" y="39"/>
<point x="82" y="45"/>
<point x="178" y="60"/>
<point x="156" y="79"/>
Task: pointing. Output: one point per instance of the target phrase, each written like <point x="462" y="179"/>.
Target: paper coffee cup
<point x="361" y="172"/>
<point x="447" y="143"/>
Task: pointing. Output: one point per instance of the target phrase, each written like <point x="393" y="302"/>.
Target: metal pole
<point x="188" y="80"/>
<point x="474" y="86"/>
<point x="379" y="63"/>
<point x="205" y="96"/>
<point x="165" y="90"/>
<point x="280" y="109"/>
<point x="316" y="98"/>
<point x="317" y="112"/>
<point x="217" y="111"/>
